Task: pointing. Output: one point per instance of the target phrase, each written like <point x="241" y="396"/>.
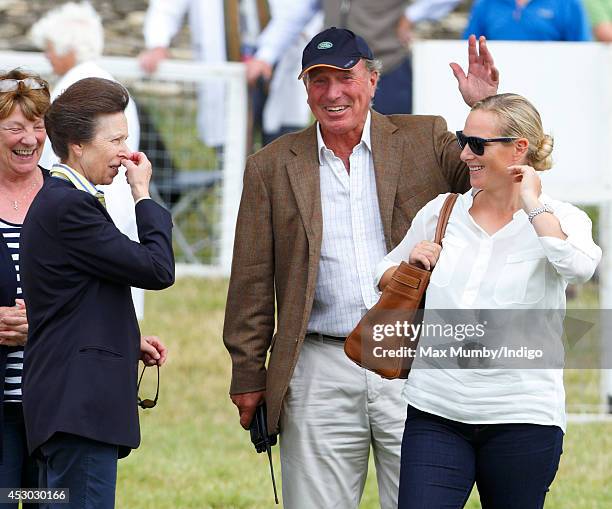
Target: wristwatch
<point x="539" y="210"/>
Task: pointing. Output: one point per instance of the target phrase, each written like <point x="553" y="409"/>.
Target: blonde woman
<point x="507" y="246"/>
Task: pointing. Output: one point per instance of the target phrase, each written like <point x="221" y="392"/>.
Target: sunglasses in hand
<point x="147" y="403"/>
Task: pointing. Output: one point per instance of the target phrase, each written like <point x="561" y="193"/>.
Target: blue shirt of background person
<point x="535" y="20"/>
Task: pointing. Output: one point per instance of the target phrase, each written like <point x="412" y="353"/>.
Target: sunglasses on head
<point x="10" y="85"/>
<point x="147" y="403"/>
<point x="476" y="144"/>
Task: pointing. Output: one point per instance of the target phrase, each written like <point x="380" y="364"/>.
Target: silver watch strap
<point x="539" y="210"/>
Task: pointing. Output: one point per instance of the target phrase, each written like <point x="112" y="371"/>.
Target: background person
<point x="72" y="37"/>
<point x="330" y="200"/>
<point x="24" y="99"/>
<point x="600" y="16"/>
<point x="279" y="104"/>
<point x="529" y="20"/>
<point x="500" y="428"/>
<point x="80" y="366"/>
<point x="386" y="25"/>
<point x="207" y="21"/>
<point x="224" y="31"/>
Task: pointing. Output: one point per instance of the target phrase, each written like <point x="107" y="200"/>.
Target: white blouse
<point x="512" y="269"/>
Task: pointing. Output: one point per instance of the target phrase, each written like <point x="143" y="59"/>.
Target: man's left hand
<point x="152" y="351"/>
<point x="482" y="78"/>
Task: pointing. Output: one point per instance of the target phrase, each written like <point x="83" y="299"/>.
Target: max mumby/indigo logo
<point x="325" y="45"/>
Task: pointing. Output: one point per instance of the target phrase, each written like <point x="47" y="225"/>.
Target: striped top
<point x="14" y="362"/>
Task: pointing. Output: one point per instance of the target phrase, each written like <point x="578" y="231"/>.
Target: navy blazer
<point x="81" y="358"/>
<point x="8" y="294"/>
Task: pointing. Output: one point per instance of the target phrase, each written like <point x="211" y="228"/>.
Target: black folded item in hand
<point x="259" y="430"/>
<point x="262" y="440"/>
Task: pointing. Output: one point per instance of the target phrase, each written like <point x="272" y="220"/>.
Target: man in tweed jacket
<point x="319" y="209"/>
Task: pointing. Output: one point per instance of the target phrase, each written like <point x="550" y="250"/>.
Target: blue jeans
<point x="394" y="92"/>
<point x="17" y="468"/>
<point x="86" y="467"/>
<point x="513" y="465"/>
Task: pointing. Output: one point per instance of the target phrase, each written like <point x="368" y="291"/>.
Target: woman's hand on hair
<point x="426" y="254"/>
<point x="531" y="185"/>
<point x="138" y="173"/>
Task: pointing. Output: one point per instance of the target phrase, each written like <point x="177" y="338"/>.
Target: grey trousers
<point x="334" y="413"/>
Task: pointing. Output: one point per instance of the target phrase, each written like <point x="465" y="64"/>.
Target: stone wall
<point x="123" y="21"/>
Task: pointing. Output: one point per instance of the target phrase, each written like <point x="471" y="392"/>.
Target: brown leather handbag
<point x="384" y="341"/>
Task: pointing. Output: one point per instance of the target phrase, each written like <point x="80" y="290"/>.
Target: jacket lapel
<point x="303" y="173"/>
<point x="387" y="155"/>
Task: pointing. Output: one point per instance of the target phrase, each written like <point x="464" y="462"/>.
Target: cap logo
<point x="325" y="45"/>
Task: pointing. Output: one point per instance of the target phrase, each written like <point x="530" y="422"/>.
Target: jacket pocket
<point x="102" y="352"/>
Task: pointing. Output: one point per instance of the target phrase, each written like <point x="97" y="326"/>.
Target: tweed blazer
<point x="279" y="231"/>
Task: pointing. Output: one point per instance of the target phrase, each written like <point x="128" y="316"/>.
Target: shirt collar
<point x="365" y="138"/>
<point x="65" y="172"/>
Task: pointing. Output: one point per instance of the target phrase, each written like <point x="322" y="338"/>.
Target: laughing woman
<point x="24" y="99"/>
<point x="507" y="246"/>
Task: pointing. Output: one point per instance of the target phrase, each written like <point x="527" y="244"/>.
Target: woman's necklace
<point x="15" y="203"/>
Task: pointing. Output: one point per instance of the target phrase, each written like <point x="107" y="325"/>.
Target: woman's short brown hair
<point x="34" y="103"/>
<point x="73" y="116"/>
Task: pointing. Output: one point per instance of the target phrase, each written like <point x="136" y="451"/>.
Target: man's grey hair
<point x="373" y="65"/>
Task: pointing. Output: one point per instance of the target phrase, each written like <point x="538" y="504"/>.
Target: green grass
<point x="195" y="455"/>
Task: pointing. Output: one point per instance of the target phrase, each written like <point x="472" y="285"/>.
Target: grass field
<point x="195" y="455"/>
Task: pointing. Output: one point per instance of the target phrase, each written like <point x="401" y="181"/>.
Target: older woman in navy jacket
<point x="81" y="361"/>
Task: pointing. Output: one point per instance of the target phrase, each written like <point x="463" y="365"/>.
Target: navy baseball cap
<point x="334" y="47"/>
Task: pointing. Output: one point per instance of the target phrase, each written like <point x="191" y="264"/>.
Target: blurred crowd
<point x="269" y="35"/>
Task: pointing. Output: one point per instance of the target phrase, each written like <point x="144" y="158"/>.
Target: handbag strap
<point x="445" y="213"/>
